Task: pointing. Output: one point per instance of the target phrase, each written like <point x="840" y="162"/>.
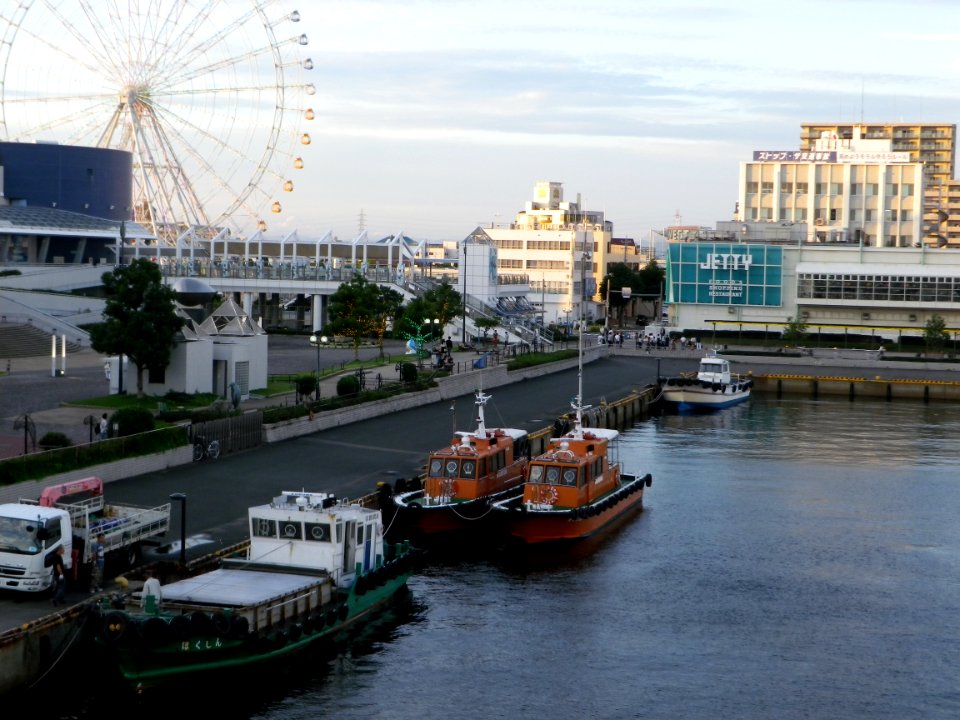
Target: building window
<point x="786" y="188"/>
<point x="869" y="215"/>
<point x="802" y="188"/>
<point x="766" y="187"/>
<point x="906" y="189"/>
<point x="856" y="188"/>
<point x="892" y="189"/>
<point x="752" y="187"/>
<point x="872" y="189"/>
<point x="822" y="188"/>
<point x="836" y="188"/>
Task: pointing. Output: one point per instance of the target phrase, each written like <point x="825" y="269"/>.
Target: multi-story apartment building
<point x="933" y="145"/>
<point x="845" y="190"/>
<point x="562" y="248"/>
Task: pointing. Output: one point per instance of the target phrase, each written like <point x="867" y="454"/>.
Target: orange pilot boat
<point x="464" y="478"/>
<point x="575" y="489"/>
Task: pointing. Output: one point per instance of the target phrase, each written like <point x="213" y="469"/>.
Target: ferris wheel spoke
<point x="77" y="119"/>
<point x="185" y="56"/>
<point x="96" y="64"/>
<point x="195" y="72"/>
<point x="237" y="195"/>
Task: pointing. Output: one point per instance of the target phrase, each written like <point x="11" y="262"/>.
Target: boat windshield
<point x="451" y="467"/>
<point x="19" y="536"/>
<point x="554" y="474"/>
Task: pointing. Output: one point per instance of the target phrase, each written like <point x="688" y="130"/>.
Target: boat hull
<point x="538" y="526"/>
<point x="151" y="656"/>
<point x="417" y="521"/>
<point x="698" y="398"/>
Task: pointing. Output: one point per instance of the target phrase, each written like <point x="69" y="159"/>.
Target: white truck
<point x="71" y="514"/>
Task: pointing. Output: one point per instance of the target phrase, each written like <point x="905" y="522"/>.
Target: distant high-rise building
<point x="931" y="144"/>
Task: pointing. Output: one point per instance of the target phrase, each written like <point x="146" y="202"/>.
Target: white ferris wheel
<point x="209" y="97"/>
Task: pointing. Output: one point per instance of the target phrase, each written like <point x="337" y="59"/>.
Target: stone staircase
<point x="26" y="341"/>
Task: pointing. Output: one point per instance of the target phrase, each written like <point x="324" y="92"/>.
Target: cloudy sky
<point x="436" y="115"/>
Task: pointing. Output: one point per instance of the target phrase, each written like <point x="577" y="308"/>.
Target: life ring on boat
<point x="239" y="626"/>
<point x="201" y="624"/>
<point x="671" y="382"/>
<point x="466" y="450"/>
<point x="114" y="626"/>
<point x="565" y="455"/>
<point x="155" y="631"/>
<point x="221" y="624"/>
<point x="180" y="625"/>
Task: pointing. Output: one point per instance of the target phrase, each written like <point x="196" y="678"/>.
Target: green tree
<point x="795" y="331"/>
<point x="141" y="320"/>
<point x="360" y="308"/>
<point x="618" y="276"/>
<point x="441" y="303"/>
<point x="935" y="335"/>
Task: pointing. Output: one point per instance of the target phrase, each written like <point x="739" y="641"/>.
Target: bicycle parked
<point x="202" y="448"/>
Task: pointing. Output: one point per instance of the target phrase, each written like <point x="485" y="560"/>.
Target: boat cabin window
<point x="318" y="532"/>
<point x="291" y="530"/>
<point x="498" y="461"/>
<point x="453" y="468"/>
<point x="570" y="476"/>
<point x="553" y="475"/>
<point x="264" y="528"/>
<point x="536" y="473"/>
<point x="596" y="468"/>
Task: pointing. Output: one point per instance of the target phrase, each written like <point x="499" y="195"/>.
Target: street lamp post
<point x="464" y="340"/>
<point x="182" y="499"/>
<point x="606" y="323"/>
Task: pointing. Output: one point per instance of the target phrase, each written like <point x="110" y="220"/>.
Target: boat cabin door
<point x="350" y="546"/>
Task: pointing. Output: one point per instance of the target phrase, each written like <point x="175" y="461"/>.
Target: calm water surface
<point x="796" y="559"/>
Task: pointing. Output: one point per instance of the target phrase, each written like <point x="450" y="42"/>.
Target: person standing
<point x="151" y="588"/>
<point x="59" y="578"/>
<point x="104" y="427"/>
<point x="449" y="344"/>
<point x="98" y="553"/>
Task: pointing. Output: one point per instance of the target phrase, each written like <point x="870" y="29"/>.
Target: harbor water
<point x="797" y="558"/>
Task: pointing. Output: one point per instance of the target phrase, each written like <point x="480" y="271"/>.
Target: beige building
<point x="933" y="145"/>
<point x="850" y="190"/>
<point x="547" y="242"/>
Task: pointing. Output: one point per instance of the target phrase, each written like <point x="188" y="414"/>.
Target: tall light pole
<point x="182" y="498"/>
<point x="606" y="315"/>
<point x="464" y="340"/>
<point x="316" y="340"/>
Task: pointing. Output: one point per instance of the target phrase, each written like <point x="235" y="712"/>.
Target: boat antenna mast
<point x="481" y="400"/>
<point x="577" y="402"/>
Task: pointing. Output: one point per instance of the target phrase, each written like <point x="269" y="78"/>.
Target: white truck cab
<point x="29" y="537"/>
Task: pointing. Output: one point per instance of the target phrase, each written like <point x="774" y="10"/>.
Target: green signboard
<point x="724" y="274"/>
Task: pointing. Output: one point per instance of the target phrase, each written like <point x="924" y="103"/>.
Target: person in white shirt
<point x="151" y="586"/>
